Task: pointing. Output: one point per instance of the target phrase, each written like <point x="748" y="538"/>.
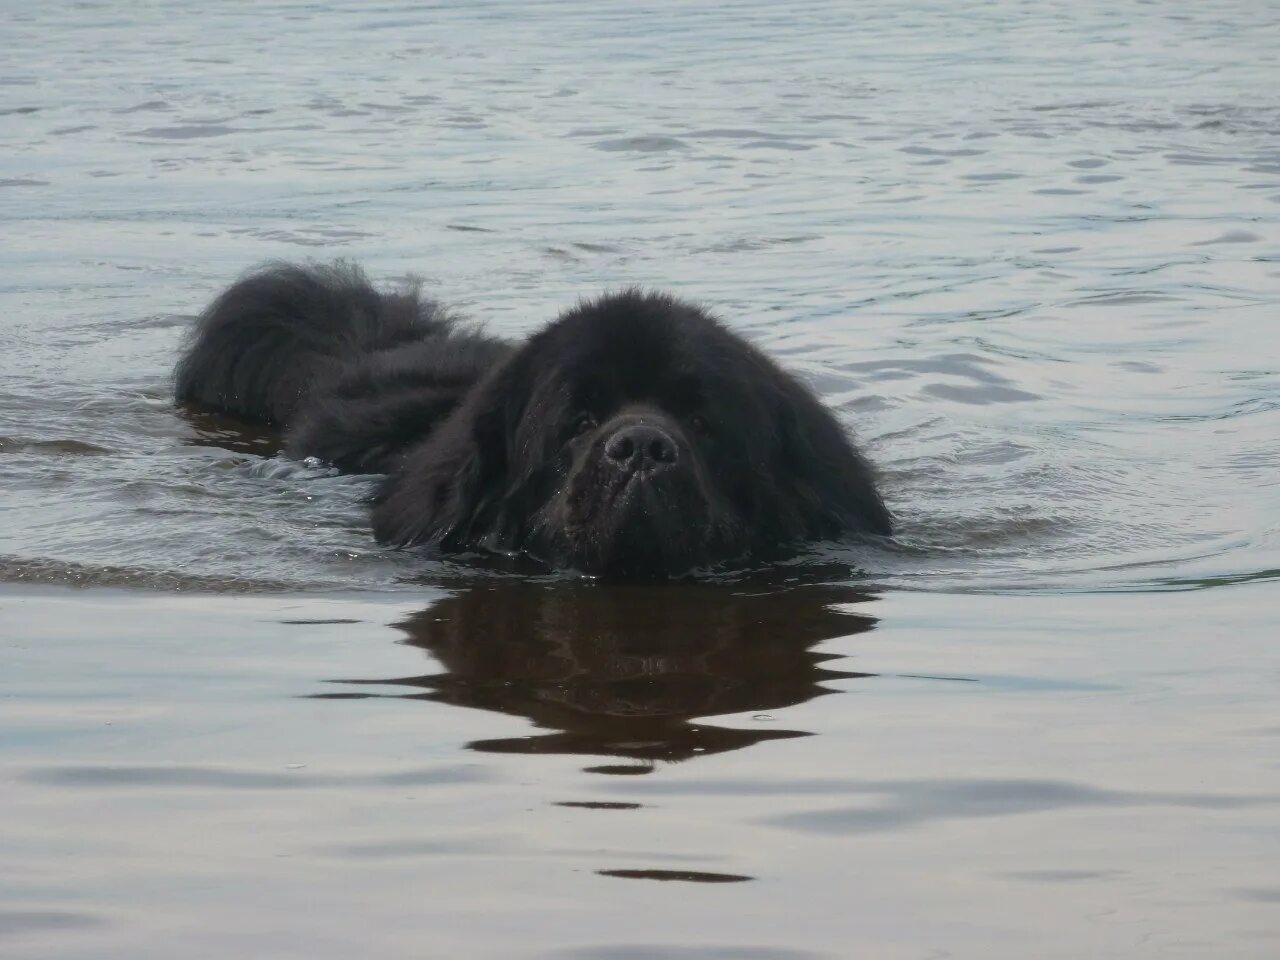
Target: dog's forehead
<point x="635" y="346"/>
<point x="603" y="368"/>
<point x="606" y="386"/>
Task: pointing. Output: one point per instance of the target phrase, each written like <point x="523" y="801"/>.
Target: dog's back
<point x="348" y="373"/>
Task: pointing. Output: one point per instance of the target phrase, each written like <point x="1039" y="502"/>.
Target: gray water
<point x="1029" y="252"/>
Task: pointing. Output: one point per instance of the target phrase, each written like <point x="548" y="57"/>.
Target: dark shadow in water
<point x="19" y="922"/>
<point x="685" y="876"/>
<point x="214" y="429"/>
<point x="659" y="951"/>
<point x="625" y="671"/>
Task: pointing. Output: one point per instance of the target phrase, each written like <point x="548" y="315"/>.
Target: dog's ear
<point x="450" y="490"/>
<point x="832" y="484"/>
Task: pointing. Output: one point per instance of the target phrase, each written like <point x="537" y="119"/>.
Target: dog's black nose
<point x="639" y="445"/>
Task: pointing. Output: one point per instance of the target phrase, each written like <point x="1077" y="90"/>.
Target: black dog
<point x="633" y="436"/>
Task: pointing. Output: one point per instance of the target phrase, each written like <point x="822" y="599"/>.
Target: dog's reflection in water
<point x="625" y="671"/>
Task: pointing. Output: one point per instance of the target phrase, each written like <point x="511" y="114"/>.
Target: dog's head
<point x="634" y="436"/>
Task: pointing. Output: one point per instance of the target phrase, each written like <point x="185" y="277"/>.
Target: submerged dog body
<point x="633" y="436"/>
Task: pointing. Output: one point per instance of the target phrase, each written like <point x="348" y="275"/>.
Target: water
<point x="1029" y="253"/>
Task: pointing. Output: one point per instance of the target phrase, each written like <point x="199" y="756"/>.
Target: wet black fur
<point x="499" y="446"/>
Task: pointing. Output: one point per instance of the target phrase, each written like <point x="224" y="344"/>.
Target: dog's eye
<point x="583" y="424"/>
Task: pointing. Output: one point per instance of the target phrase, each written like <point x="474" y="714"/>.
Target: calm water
<point x="1031" y="253"/>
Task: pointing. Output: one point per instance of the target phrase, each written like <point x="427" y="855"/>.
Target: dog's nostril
<point x="662" y="450"/>
<point x="620" y="447"/>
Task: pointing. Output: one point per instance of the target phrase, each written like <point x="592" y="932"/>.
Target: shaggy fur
<point x="633" y="436"/>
